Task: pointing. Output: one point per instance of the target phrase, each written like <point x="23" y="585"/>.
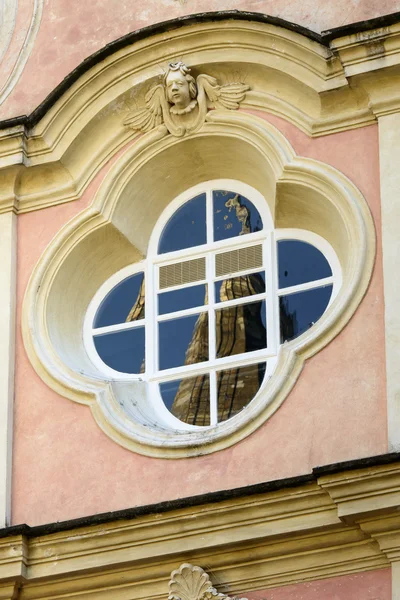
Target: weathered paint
<point x="373" y="585"/>
<point x="66" y="467"/>
<point x="66" y="37"/>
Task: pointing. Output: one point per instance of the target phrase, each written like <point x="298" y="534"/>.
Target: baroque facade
<point x="200" y="335"/>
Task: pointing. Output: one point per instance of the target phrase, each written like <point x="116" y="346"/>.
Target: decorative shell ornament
<point x="193" y="583"/>
<point x="181" y="102"/>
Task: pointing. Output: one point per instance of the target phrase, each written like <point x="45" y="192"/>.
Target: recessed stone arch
<point x="114" y="231"/>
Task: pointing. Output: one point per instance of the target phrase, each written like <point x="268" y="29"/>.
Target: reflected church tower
<point x="239" y="329"/>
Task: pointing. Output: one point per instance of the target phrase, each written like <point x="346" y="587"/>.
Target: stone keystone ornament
<point x="181" y="102"/>
<point x="192" y="583"/>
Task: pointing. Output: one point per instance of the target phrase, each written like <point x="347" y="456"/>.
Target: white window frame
<point x="268" y="237"/>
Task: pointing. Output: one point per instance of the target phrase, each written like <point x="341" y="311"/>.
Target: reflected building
<point x="239" y="329"/>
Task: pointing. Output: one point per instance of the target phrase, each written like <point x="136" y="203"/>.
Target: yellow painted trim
<point x="345" y="220"/>
<point x="59" y="157"/>
<point x="250" y="543"/>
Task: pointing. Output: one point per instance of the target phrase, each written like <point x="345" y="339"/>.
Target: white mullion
<point x="151" y="334"/>
<point x="303" y="287"/>
<point x="219" y="247"/>
<point x="118" y="327"/>
<point x="242" y="300"/>
<point x="211" y="309"/>
<point x="239" y="273"/>
<point x="184" y="255"/>
<point x="272" y="321"/>
<point x="209" y="218"/>
<point x="227" y="362"/>
<point x="213" y="398"/>
<point x="239" y="241"/>
<point x="186" y="312"/>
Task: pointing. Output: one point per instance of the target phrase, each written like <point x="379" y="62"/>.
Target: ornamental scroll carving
<point x="193" y="583"/>
<point x="181" y="102"/>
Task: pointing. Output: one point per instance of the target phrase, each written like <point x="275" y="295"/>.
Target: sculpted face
<point x="177" y="89"/>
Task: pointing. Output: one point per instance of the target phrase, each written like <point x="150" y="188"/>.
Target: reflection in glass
<point x="188" y="297"/>
<point x="299" y="262"/>
<point x="236" y="388"/>
<point x="240" y="329"/>
<point x="298" y="312"/>
<point x="183" y="341"/>
<point x="188" y="399"/>
<point x="234" y="215"/>
<point x="240" y="287"/>
<point x="186" y="228"/>
<point x="122" y="350"/>
<point x="118" y="305"/>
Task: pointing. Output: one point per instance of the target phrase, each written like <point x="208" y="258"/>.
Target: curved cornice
<point x="51" y="156"/>
<point x="141" y="34"/>
<point x="324" y="39"/>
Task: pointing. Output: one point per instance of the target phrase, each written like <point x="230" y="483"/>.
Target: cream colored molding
<point x="84" y="128"/>
<point x="370" y="498"/>
<point x="251" y="543"/>
<point x="364" y="490"/>
<point x="9" y="591"/>
<point x="367" y="51"/>
<point x="389" y="140"/>
<point x="371" y="61"/>
<point x="8" y="243"/>
<point x="210" y="530"/>
<point x="193" y="583"/>
<point x="114" y="232"/>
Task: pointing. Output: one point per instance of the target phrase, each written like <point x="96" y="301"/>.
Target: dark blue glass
<point x="186" y="228"/>
<point x="122" y="350"/>
<point x="234" y="215"/>
<point x="188" y="399"/>
<point x="299" y="262"/>
<point x="183" y="341"/>
<point x="299" y="312"/>
<point x="189" y="297"/>
<point x="118" y="303"/>
<point x="239" y="287"/>
<point x="236" y="388"/>
<point x="240" y="328"/>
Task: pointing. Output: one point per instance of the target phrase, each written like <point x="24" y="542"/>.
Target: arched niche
<point x="114" y="232"/>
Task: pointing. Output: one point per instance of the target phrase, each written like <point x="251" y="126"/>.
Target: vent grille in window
<point x="238" y="260"/>
<point x="182" y="272"/>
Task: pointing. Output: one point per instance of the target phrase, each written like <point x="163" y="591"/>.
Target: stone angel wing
<point x="227" y="96"/>
<point x="149" y="117"/>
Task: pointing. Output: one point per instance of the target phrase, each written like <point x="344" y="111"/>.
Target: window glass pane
<point x="240" y="329"/>
<point x="188" y="399"/>
<point x="298" y="312"/>
<point x="188" y="297"/>
<point x="125" y="302"/>
<point x="186" y="228"/>
<point x="234" y="215"/>
<point x="299" y="262"/>
<point x="236" y="388"/>
<point x="183" y="341"/>
<point x="239" y="287"/>
<point x="122" y="350"/>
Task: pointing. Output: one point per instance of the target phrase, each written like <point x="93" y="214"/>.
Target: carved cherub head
<point x="180" y="86"/>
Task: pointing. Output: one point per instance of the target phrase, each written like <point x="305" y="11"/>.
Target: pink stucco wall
<point x="71" y="31"/>
<point x="66" y="467"/>
<point x="373" y="585"/>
